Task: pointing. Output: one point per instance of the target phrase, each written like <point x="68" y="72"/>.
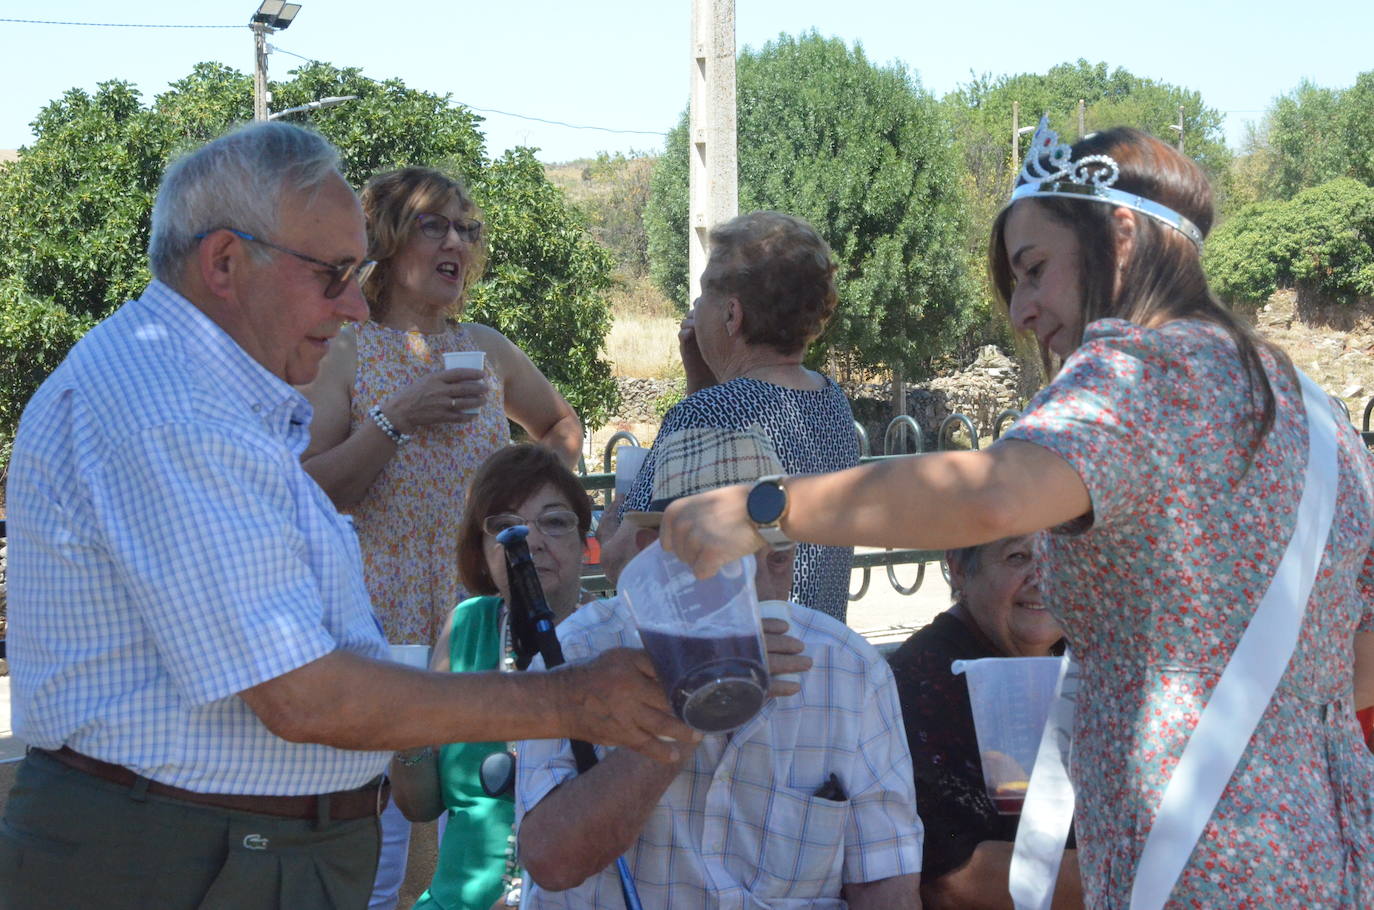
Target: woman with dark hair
<point x="395" y="436"/>
<point x="1192" y="481"/>
<point x="767" y="292"/>
<point x="524" y="484"/>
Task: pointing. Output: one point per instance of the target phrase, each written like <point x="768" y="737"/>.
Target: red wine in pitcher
<point x="713" y="684"/>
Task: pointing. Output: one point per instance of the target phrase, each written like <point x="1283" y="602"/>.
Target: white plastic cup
<point x="465" y="360"/>
<point x="628" y="461"/>
<point x="1011" y="699"/>
<point x="416" y="656"/>
<point x="778" y="609"/>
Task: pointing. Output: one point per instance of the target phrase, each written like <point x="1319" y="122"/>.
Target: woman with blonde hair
<point x="396" y="436"/>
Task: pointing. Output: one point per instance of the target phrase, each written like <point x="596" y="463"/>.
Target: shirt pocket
<point x="803" y="843"/>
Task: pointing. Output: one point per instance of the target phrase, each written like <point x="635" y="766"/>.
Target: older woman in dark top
<point x="767" y="292"/>
<point x="997" y="613"/>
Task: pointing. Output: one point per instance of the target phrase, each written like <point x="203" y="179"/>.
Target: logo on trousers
<point x="255" y="842"/>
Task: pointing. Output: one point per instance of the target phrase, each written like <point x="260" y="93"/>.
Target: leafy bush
<point x="1319" y="240"/>
<point x="669" y="399"/>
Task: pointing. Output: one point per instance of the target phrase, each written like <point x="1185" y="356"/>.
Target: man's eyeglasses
<point x="435" y="227"/>
<point x="339" y="275"/>
<point x="554" y="523"/>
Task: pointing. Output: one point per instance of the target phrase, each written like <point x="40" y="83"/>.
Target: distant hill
<point x="612" y="190"/>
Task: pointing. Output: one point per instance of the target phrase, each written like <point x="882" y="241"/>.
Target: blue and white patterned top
<point x="167" y="552"/>
<point x="813" y="432"/>
<point x="741" y="826"/>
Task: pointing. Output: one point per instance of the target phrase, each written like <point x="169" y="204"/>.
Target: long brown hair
<point x="391" y="201"/>
<point x="1162" y="279"/>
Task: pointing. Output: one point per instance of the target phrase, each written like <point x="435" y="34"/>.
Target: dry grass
<point x="644" y="346"/>
<point x="636" y="295"/>
<point x="642" y="343"/>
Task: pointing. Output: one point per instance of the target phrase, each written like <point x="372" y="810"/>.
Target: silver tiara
<point x="1049" y="171"/>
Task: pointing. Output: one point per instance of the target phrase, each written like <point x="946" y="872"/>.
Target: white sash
<point x="1226" y="725"/>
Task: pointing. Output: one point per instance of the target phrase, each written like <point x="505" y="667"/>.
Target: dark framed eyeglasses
<point x="339" y="275"/>
<point x="553" y="523"/>
<point x="436" y="227"/>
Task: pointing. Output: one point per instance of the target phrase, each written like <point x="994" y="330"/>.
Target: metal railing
<point x="895" y="436"/>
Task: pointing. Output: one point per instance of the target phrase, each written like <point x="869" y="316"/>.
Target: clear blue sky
<point x="622" y="64"/>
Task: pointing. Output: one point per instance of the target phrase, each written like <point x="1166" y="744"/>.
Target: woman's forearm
<point x="347" y="471"/>
<point x="940" y="500"/>
<point x="935" y="501"/>
<point x="565" y="438"/>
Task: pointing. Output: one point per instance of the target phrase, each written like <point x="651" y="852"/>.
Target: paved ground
<point x="883" y="616"/>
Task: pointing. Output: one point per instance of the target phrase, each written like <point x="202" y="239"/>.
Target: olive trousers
<point x="73" y="841"/>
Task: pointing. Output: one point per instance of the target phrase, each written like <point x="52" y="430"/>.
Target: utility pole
<point x="1082" y="118"/>
<point x="259" y="70"/>
<point x="713" y="178"/>
<point x="272" y="16"/>
<point x="1015" y="138"/>
<point x="1180" y="127"/>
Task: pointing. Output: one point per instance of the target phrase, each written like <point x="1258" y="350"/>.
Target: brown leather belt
<point x="342" y="805"/>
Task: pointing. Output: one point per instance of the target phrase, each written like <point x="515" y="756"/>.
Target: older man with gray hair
<point x="809" y="804"/>
<point x="196" y="665"/>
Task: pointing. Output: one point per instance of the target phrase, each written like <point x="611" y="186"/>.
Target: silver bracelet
<point x="386" y="426"/>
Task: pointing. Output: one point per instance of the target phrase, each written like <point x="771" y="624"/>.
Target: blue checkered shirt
<point x="740" y="827"/>
<point x="167" y="551"/>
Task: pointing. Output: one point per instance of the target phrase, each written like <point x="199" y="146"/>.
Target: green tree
<point x="862" y="153"/>
<point x="981" y="111"/>
<point x="1321" y="241"/>
<point x="546" y="282"/>
<point x="1304" y="139"/>
<point x="75" y="214"/>
<point x="1310" y="136"/>
<point x="1357" y="128"/>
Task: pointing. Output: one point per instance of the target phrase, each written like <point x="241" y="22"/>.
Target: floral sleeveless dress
<point x="408" y="522"/>
<point x="1185" y="535"/>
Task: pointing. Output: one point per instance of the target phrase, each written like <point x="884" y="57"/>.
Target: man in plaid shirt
<point x="810" y="804"/>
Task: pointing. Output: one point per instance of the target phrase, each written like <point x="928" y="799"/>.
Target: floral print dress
<point x="1154" y="590"/>
<point x="408" y="522"/>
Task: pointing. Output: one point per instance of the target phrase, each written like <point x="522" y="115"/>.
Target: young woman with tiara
<point x="1209" y="557"/>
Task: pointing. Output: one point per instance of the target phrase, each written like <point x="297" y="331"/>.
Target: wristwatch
<point x="766" y="505"/>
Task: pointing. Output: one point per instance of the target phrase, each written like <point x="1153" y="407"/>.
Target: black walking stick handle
<point x="530" y="611"/>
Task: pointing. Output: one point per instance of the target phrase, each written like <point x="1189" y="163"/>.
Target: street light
<point x="312" y="105"/>
<point x="272" y="16"/>
<point x="275" y="14"/>
<point x="1179" y="126"/>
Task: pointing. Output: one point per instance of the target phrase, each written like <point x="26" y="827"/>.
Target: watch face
<point x="766" y="503"/>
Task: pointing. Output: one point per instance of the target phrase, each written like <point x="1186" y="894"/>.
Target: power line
<point x="490" y="110"/>
<point x="112" y="24"/>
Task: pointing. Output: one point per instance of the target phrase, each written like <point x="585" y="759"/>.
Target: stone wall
<point x="982" y="390"/>
<point x="638" y="398"/>
<point x="987" y="386"/>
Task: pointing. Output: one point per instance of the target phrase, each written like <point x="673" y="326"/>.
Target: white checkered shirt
<point x="166" y="551"/>
<point x="740" y="826"/>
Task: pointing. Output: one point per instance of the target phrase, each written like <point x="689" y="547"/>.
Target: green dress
<point x="472" y="855"/>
